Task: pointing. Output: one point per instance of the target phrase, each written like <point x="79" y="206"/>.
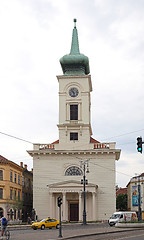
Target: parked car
<point x="46" y="223"/>
<point x="122" y="217"/>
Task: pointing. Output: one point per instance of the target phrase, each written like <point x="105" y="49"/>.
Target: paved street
<point x="78" y="231"/>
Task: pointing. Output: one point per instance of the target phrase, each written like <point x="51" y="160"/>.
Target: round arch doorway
<point x="1" y="212"/>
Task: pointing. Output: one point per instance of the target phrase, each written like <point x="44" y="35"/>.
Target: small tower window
<point x="73" y="136"/>
<point x="74" y="112"/>
<point x="73" y="171"/>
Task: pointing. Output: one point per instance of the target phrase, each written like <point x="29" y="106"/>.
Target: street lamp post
<point x="138" y="184"/>
<point x="84" y="182"/>
<point x="139" y="200"/>
<point x="84" y="210"/>
<point x="59" y="203"/>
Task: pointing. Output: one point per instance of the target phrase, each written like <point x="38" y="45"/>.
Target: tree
<point x="17" y="204"/>
<point x="121" y="202"/>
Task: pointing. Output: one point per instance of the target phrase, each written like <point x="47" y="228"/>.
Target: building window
<point x="1" y="175"/>
<point x="23" y="181"/>
<point x="10" y="194"/>
<point x="18" y="179"/>
<point x="73" y="171"/>
<point x="11" y="176"/>
<point x="15" y="195"/>
<point x="74" y="136"/>
<point x="23" y="196"/>
<point x="74" y="112"/>
<point x="18" y="195"/>
<point x="1" y="193"/>
<point x="15" y="178"/>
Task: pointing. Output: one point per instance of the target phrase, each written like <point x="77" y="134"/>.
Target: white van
<point x="122" y="217"/>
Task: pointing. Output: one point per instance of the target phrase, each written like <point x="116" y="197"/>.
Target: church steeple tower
<point x="75" y="63"/>
<point x="75" y="43"/>
<point x="74" y="98"/>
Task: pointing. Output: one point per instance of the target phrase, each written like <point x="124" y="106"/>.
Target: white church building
<point x="58" y="167"/>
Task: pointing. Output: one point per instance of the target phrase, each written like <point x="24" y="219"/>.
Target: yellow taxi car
<point x="46" y="223"/>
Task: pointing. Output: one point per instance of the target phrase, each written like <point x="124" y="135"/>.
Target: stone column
<point x="94" y="205"/>
<point x="51" y="204"/>
<point x="64" y="206"/>
<point x="80" y="206"/>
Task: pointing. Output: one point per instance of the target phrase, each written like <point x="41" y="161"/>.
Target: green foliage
<point x="121" y="202"/>
<point x="17" y="204"/>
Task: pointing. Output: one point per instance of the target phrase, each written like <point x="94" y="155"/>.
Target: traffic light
<point x="139" y="144"/>
<point x="59" y="201"/>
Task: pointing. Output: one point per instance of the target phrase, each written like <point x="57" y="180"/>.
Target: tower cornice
<point x="76" y="77"/>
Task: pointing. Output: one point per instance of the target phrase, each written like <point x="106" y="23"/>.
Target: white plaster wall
<point x="49" y="169"/>
<point x="83" y="100"/>
<point x="83" y="138"/>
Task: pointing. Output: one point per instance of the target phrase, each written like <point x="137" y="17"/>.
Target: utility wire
<point x="15" y="137"/>
<point x="81" y="145"/>
<point x="124" y="134"/>
<point x="113" y="170"/>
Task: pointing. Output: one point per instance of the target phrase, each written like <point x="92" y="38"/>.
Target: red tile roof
<point x="3" y="158"/>
<point x="57" y="141"/>
<point x="141" y="175"/>
<point x="92" y="140"/>
<point x="121" y="191"/>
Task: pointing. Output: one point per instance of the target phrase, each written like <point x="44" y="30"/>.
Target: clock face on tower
<point x="73" y="92"/>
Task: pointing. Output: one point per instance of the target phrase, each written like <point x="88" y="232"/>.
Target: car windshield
<point x="114" y="216"/>
<point x="43" y="220"/>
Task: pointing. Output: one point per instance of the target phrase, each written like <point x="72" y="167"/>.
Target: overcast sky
<point x="34" y="35"/>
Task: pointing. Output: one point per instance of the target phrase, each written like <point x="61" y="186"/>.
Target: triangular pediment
<point x="70" y="183"/>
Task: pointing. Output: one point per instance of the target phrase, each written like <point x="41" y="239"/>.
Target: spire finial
<point x="75" y="20"/>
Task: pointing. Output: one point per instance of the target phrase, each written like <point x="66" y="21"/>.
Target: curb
<point x="129" y="225"/>
<point x="19" y="227"/>
<point x="98" y="234"/>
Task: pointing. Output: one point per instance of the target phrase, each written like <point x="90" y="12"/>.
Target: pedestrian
<point x="29" y="220"/>
<point x="3" y="225"/>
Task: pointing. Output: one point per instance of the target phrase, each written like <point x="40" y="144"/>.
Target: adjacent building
<point x="59" y="166"/>
<point x="27" y="192"/>
<point x="10" y="189"/>
<point x="16" y="190"/>
<point x="135" y="188"/>
<point x="121" y="191"/>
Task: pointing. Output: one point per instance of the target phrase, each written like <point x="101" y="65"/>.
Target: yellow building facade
<point x="10" y="189"/>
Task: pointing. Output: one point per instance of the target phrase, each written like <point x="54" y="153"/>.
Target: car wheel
<point x="57" y="226"/>
<point x="42" y="227"/>
<point x="111" y="225"/>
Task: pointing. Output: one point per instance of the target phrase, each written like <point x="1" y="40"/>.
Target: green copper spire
<point x="75" y="63"/>
<point x="75" y="44"/>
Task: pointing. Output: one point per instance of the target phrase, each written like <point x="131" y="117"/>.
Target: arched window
<point x="73" y="171"/>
